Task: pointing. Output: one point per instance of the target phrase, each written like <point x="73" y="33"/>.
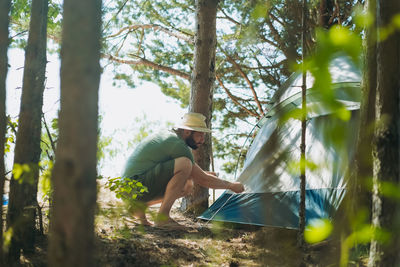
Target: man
<point x="165" y="165"/>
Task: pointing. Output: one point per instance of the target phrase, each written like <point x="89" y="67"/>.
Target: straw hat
<point x="194" y="122"/>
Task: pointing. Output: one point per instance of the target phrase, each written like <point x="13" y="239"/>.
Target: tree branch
<point x="234" y="99"/>
<point x="53" y="145"/>
<point x="275" y="34"/>
<point x="230" y="59"/>
<point x="116" y="14"/>
<point x="9" y="122"/>
<point x="122" y="44"/>
<point x="155" y="27"/>
<point x="145" y="62"/>
<point x="262" y="37"/>
<point x="275" y="18"/>
<point x="228" y="17"/>
<point x="335" y="14"/>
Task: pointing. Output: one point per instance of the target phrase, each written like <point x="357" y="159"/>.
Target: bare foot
<point x="145" y="222"/>
<point x="141" y="216"/>
<point x="169" y="223"/>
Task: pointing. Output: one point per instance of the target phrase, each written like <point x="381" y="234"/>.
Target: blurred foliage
<point x="329" y="43"/>
<point x="44" y="184"/>
<point x="294" y="166"/>
<point x="128" y="190"/>
<point x="125" y="188"/>
<point x="24" y="173"/>
<point x="48" y="143"/>
<point x="11" y="132"/>
<point x="361" y="235"/>
<point x="318" y="231"/>
<point x="7" y="235"/>
<point x="346" y="41"/>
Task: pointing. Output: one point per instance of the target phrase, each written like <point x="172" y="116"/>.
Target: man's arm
<point x="211" y="181"/>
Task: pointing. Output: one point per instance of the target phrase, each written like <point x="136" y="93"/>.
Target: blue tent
<point x="270" y="174"/>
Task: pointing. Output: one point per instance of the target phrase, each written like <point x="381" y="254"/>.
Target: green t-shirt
<point x="154" y="150"/>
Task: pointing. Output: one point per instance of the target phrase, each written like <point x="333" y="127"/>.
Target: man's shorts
<point x="156" y="180"/>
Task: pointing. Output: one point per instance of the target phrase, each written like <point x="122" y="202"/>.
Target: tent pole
<point x="213" y="170"/>
<point x="302" y="215"/>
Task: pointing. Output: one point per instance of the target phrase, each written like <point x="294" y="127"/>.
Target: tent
<point x="269" y="173"/>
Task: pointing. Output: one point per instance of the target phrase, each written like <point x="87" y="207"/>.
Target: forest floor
<point x="120" y="242"/>
<point x="202" y="244"/>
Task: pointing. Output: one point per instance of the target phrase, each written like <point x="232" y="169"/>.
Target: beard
<point x="190" y="142"/>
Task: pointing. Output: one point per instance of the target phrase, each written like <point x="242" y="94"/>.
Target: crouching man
<point x="165" y="165"/>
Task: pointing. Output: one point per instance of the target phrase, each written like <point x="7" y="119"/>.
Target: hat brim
<point x="197" y="129"/>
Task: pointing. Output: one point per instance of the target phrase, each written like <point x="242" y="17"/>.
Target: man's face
<point x="195" y="139"/>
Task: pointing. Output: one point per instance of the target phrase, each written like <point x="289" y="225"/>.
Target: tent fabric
<point x="270" y="174"/>
<point x="279" y="209"/>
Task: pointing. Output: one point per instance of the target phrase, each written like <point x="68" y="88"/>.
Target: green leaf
<point x="363" y="19"/>
<point x="294" y="166"/>
<point x="343" y="114"/>
<point x="396" y="21"/>
<point x="260" y="10"/>
<point x="318" y="231"/>
<point x="296" y="114"/>
<point x="390" y="190"/>
<point x="17" y="171"/>
<point x="339" y="36"/>
<point x="7" y="236"/>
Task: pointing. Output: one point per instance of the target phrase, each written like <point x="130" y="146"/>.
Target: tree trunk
<point x="23" y="192"/>
<point x="385" y="210"/>
<point x="363" y="163"/>
<point x="203" y="78"/>
<point x="74" y="176"/>
<point x="358" y="197"/>
<point x="4" y="42"/>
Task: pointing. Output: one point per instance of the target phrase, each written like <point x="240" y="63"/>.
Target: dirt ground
<point x="120" y="242"/>
<point x="125" y="243"/>
<point x="198" y="244"/>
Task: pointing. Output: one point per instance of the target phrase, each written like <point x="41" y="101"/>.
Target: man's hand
<point x="236" y="187"/>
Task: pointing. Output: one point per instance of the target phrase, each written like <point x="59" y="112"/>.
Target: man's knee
<point x="183" y="165"/>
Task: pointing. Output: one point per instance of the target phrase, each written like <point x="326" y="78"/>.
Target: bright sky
<point x="118" y="106"/>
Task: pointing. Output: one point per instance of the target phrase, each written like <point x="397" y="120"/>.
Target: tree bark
<point x="363" y="164"/>
<point x="358" y="198"/>
<point x="23" y="192"/>
<point x="74" y="175"/>
<point x="203" y="79"/>
<point x="386" y="210"/>
<point x="4" y="42"/>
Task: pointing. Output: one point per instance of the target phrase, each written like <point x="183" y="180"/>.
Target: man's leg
<point x="175" y="187"/>
<point x="141" y="213"/>
<point x="188" y="188"/>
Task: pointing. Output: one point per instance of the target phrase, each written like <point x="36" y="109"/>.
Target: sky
<point x="118" y="106"/>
